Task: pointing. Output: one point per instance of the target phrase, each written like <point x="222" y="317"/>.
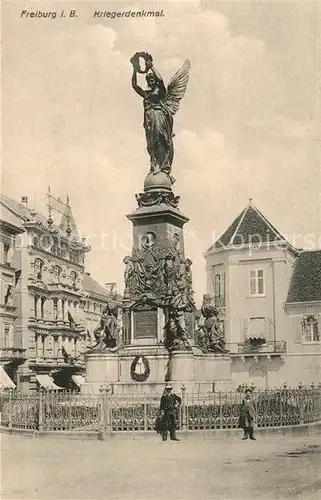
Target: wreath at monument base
<point x="134" y="373"/>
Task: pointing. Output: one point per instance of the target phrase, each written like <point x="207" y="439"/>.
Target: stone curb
<point x="199" y="435"/>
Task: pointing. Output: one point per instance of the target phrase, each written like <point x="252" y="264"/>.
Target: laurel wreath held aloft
<point x="140" y="377"/>
<point x="135" y="60"/>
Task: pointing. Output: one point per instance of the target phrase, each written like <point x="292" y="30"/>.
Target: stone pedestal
<point x="181" y="366"/>
<point x="102" y="368"/>
<point x="197" y="371"/>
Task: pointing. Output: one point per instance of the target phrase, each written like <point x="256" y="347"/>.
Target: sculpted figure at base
<point x="160" y="105"/>
<point x="175" y="331"/>
<point x="176" y="336"/>
<point x="108" y="332"/>
<point x="210" y="337"/>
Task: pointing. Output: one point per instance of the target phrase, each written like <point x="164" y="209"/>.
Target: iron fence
<point x="105" y="413"/>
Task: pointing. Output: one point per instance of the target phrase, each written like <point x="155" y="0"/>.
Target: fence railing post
<point x="145" y="415"/>
<point x="10" y="406"/>
<point x="70" y="411"/>
<point x="184" y="408"/>
<point x="104" y="413"/>
<point x="221" y="409"/>
<point x="40" y="411"/>
<point x="107" y="410"/>
<point x="301" y="403"/>
<point x="101" y="429"/>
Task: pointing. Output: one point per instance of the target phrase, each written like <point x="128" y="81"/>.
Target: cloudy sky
<point x="247" y="127"/>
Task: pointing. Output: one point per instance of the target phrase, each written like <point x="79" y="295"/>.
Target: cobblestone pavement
<point x="273" y="467"/>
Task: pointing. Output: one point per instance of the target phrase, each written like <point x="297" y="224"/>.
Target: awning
<point x="5" y="380"/>
<point x="78" y="379"/>
<point x="47" y="382"/>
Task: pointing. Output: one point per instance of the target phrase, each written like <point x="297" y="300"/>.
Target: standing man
<point x="169" y="405"/>
<point x="248" y="415"/>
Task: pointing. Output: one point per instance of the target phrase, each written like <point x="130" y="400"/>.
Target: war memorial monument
<point x="151" y="337"/>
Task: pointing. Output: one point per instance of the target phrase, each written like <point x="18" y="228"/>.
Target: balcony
<point x="248" y="349"/>
<point x="12" y="354"/>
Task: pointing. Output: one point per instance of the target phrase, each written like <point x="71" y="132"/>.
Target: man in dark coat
<point x="168" y="407"/>
<point x="248" y="415"/>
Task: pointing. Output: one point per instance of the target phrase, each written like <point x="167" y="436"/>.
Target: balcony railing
<point x="252" y="349"/>
<point x="12" y="354"/>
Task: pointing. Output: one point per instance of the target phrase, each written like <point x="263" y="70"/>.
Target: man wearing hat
<point x="168" y="407"/>
<point x="247" y="415"/>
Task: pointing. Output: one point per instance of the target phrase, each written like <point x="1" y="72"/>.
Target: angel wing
<point x="176" y="88"/>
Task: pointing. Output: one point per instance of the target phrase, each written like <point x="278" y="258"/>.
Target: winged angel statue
<point x="160" y="105"/>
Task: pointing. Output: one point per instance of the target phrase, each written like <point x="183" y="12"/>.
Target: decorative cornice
<point x="316" y="303"/>
<point x="252" y="246"/>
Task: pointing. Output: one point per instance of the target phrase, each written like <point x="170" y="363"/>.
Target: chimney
<point x="24" y="200"/>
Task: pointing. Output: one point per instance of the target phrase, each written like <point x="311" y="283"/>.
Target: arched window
<point x="38" y="268"/>
<point x="73" y="278"/>
<point x="56" y="274"/>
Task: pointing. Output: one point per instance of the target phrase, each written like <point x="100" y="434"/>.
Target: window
<point x="73" y="278"/>
<point x="6" y="249"/>
<point x="55" y="309"/>
<point x="8" y="294"/>
<point x="56" y="274"/>
<point x="257" y="328"/>
<point x="43" y="301"/>
<point x="5" y="341"/>
<point x="73" y="257"/>
<point x="219" y="289"/>
<point x="310" y="329"/>
<point x="38" y="268"/>
<point x="36" y="306"/>
<point x="256" y="282"/>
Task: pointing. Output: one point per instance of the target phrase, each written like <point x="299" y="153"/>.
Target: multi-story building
<point x="11" y="352"/>
<point x="50" y="296"/>
<point x="249" y="270"/>
<point x="303" y="317"/>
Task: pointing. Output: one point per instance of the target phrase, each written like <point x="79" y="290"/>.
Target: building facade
<point x="11" y="352"/>
<point x="50" y="298"/>
<point x="249" y="271"/>
<point x="303" y="317"/>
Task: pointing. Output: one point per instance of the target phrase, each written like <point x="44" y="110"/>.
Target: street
<point x="273" y="467"/>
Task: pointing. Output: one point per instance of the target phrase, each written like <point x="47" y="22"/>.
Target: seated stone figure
<point x="107" y="334"/>
<point x="210" y="337"/>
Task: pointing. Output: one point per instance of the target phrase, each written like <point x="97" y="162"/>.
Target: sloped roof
<point x="249" y="227"/>
<point x="305" y="284"/>
<point x="92" y="286"/>
<point x="26" y="214"/>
